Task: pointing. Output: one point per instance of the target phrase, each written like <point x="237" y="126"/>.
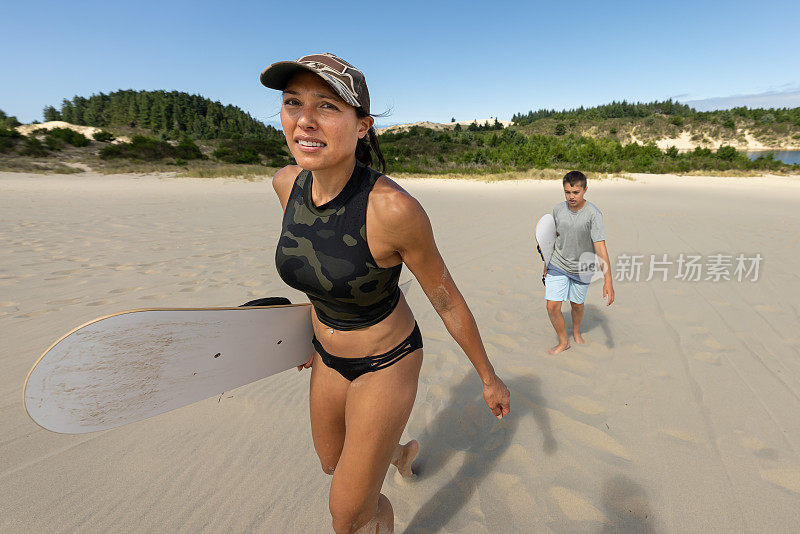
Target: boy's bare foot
<point x="561" y="347"/>
<point x="578" y="338"/>
<point x="404" y="456"/>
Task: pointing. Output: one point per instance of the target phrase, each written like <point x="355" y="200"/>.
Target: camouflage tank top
<point x="323" y="252"/>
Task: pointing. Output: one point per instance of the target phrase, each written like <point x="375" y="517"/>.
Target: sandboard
<point x="545" y="233"/>
<point x="135" y="364"/>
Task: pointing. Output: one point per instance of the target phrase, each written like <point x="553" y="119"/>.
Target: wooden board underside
<point x="135" y="365"/>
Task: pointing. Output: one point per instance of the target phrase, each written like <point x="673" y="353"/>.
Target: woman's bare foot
<point x="561" y="347"/>
<point x="578" y="338"/>
<point x="404" y="456"/>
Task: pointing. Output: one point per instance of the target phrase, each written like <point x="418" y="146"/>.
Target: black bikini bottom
<point x="352" y="368"/>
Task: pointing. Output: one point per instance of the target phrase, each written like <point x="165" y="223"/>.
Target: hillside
<point x="670" y="123"/>
<point x="172" y="115"/>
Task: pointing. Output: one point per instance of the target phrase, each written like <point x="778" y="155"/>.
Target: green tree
<point x="51" y="114"/>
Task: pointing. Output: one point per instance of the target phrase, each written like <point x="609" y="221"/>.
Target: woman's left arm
<point x="412" y="235"/>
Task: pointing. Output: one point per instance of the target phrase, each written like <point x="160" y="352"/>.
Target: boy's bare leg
<point x="557" y="319"/>
<point x="577" y="317"/>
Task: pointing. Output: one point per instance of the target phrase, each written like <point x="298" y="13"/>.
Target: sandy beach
<point x="680" y="414"/>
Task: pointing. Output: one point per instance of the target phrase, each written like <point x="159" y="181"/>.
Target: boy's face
<point x="574" y="194"/>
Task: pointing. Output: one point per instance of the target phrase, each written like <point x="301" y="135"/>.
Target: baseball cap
<point x="345" y="79"/>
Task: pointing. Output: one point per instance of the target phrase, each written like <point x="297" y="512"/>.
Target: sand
<point x="87" y="131"/>
<point x="678" y="415"/>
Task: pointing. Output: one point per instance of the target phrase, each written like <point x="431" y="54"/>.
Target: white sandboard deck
<point x="136" y="364"/>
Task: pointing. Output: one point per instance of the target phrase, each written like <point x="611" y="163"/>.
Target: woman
<point x="347" y="230"/>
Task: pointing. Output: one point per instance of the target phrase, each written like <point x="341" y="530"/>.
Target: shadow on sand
<point x="593" y="317"/>
<point x="466" y="424"/>
<point x="626" y="507"/>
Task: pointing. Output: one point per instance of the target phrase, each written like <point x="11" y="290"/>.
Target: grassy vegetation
<point x="25" y="164"/>
<point x="425" y="151"/>
<point x="531" y="174"/>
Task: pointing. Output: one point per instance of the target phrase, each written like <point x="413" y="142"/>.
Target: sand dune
<point x="678" y="415"/>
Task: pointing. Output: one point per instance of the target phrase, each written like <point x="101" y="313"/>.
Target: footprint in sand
<point x="504" y="341"/>
<point x="249" y="283"/>
<point x="699" y="330"/>
<point x="67" y="271"/>
<point x="505" y="317"/>
<point x="641" y="351"/>
<point x="678" y="434"/>
<point x="574" y="506"/>
<point x="584" y="405"/>
<point x="62" y="302"/>
<point x="99" y="303"/>
<point x="766" y="308"/>
<point x="758" y="447"/>
<point x="712" y="343"/>
<point x="8" y="304"/>
<point x="568" y="361"/>
<point x="124" y="290"/>
<point x="155" y="296"/>
<point x="661" y="373"/>
<point x="785" y="478"/>
<point x="32" y="314"/>
<point x="436" y="335"/>
<point x="708" y="357"/>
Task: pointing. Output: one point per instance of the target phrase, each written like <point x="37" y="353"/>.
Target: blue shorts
<point x="560" y="287"/>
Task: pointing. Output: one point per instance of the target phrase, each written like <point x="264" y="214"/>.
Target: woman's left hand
<point x="497" y="397"/>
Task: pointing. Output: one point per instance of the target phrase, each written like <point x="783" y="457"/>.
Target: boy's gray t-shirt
<point x="577" y="233"/>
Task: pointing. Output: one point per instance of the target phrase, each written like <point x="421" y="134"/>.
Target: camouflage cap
<point x="346" y="80"/>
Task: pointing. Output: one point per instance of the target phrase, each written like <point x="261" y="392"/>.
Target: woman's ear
<point x="364" y="124"/>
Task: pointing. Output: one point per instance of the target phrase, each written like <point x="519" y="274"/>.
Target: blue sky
<point x="423" y="60"/>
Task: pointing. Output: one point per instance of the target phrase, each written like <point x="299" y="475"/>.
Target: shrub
<point x="33" y="147"/>
<point x="53" y="143"/>
<point x="8" y="139"/>
<point x="103" y="136"/>
<point x="677" y="121"/>
<point x="727" y="153"/>
<point x="561" y="129"/>
<point x="229" y="155"/>
<point x="186" y="149"/>
<point x="68" y="136"/>
<point x="149" y="149"/>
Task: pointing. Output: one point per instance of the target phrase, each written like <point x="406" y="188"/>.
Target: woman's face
<point x="321" y="129"/>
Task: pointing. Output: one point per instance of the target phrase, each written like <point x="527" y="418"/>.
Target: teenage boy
<point x="579" y="230"/>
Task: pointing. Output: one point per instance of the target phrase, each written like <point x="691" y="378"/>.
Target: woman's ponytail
<point x="369" y="144"/>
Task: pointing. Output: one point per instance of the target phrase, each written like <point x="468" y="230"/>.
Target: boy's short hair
<point x="575" y="178"/>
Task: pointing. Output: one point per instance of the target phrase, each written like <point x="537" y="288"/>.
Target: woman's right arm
<point x="283" y="181"/>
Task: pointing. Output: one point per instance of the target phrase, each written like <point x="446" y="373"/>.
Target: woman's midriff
<point x="369" y="341"/>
